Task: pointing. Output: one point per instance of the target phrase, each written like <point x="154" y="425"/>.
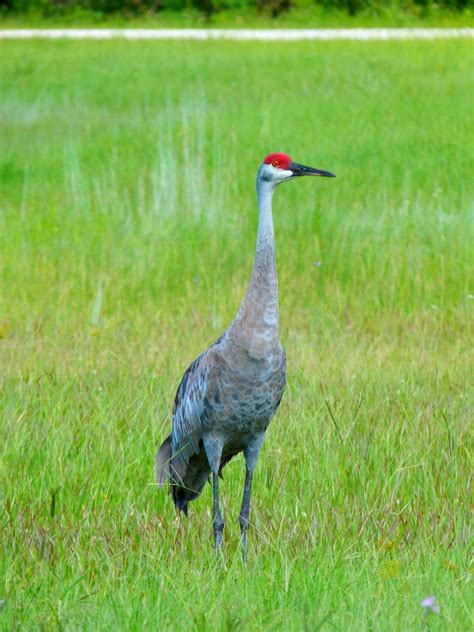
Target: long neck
<point x="264" y="268"/>
<point x="258" y="313"/>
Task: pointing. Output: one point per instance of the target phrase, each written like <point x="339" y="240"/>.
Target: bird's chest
<point x="249" y="396"/>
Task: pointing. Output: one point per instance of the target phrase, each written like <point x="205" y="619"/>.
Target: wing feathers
<point x="162" y="462"/>
<point x="190" y="407"/>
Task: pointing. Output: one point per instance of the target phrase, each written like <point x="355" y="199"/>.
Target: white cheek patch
<point x="286" y="173"/>
<point x="279" y="175"/>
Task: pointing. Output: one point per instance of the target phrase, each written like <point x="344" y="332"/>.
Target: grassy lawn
<point x="127" y="233"/>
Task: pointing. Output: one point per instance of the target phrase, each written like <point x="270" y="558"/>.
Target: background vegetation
<point x="294" y="12"/>
<point x="127" y="232"/>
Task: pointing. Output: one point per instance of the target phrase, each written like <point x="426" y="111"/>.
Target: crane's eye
<point x="276" y="163"/>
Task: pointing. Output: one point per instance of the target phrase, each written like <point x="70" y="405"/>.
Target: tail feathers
<point x="181" y="505"/>
<point x="162" y="462"/>
<point x="186" y="483"/>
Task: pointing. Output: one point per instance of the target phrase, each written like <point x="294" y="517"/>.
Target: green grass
<point x="127" y="231"/>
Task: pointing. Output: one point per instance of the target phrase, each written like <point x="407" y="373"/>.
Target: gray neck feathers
<point x="258" y="313"/>
<point x="265" y="253"/>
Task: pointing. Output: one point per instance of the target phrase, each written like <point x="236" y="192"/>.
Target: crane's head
<point x="277" y="168"/>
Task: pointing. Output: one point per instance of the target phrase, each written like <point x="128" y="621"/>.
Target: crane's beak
<point x="301" y="170"/>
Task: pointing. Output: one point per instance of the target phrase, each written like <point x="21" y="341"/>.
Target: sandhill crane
<point x="229" y="394"/>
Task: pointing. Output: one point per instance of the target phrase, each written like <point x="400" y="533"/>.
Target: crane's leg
<point x="213" y="447"/>
<point x="245" y="511"/>
<point x="251" y="453"/>
<point x="217" y="520"/>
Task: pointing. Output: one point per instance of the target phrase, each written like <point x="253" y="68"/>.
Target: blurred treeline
<point x="208" y="7"/>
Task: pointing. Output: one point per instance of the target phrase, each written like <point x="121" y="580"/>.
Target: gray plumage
<point x="229" y="394"/>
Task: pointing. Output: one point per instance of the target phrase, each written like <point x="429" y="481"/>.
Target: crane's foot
<point x="244" y="550"/>
<point x="218" y="528"/>
<point x="244" y="526"/>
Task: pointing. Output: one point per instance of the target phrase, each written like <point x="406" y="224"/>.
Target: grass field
<point x="127" y="232"/>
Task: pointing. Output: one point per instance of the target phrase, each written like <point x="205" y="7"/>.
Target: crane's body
<point x="230" y="393"/>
